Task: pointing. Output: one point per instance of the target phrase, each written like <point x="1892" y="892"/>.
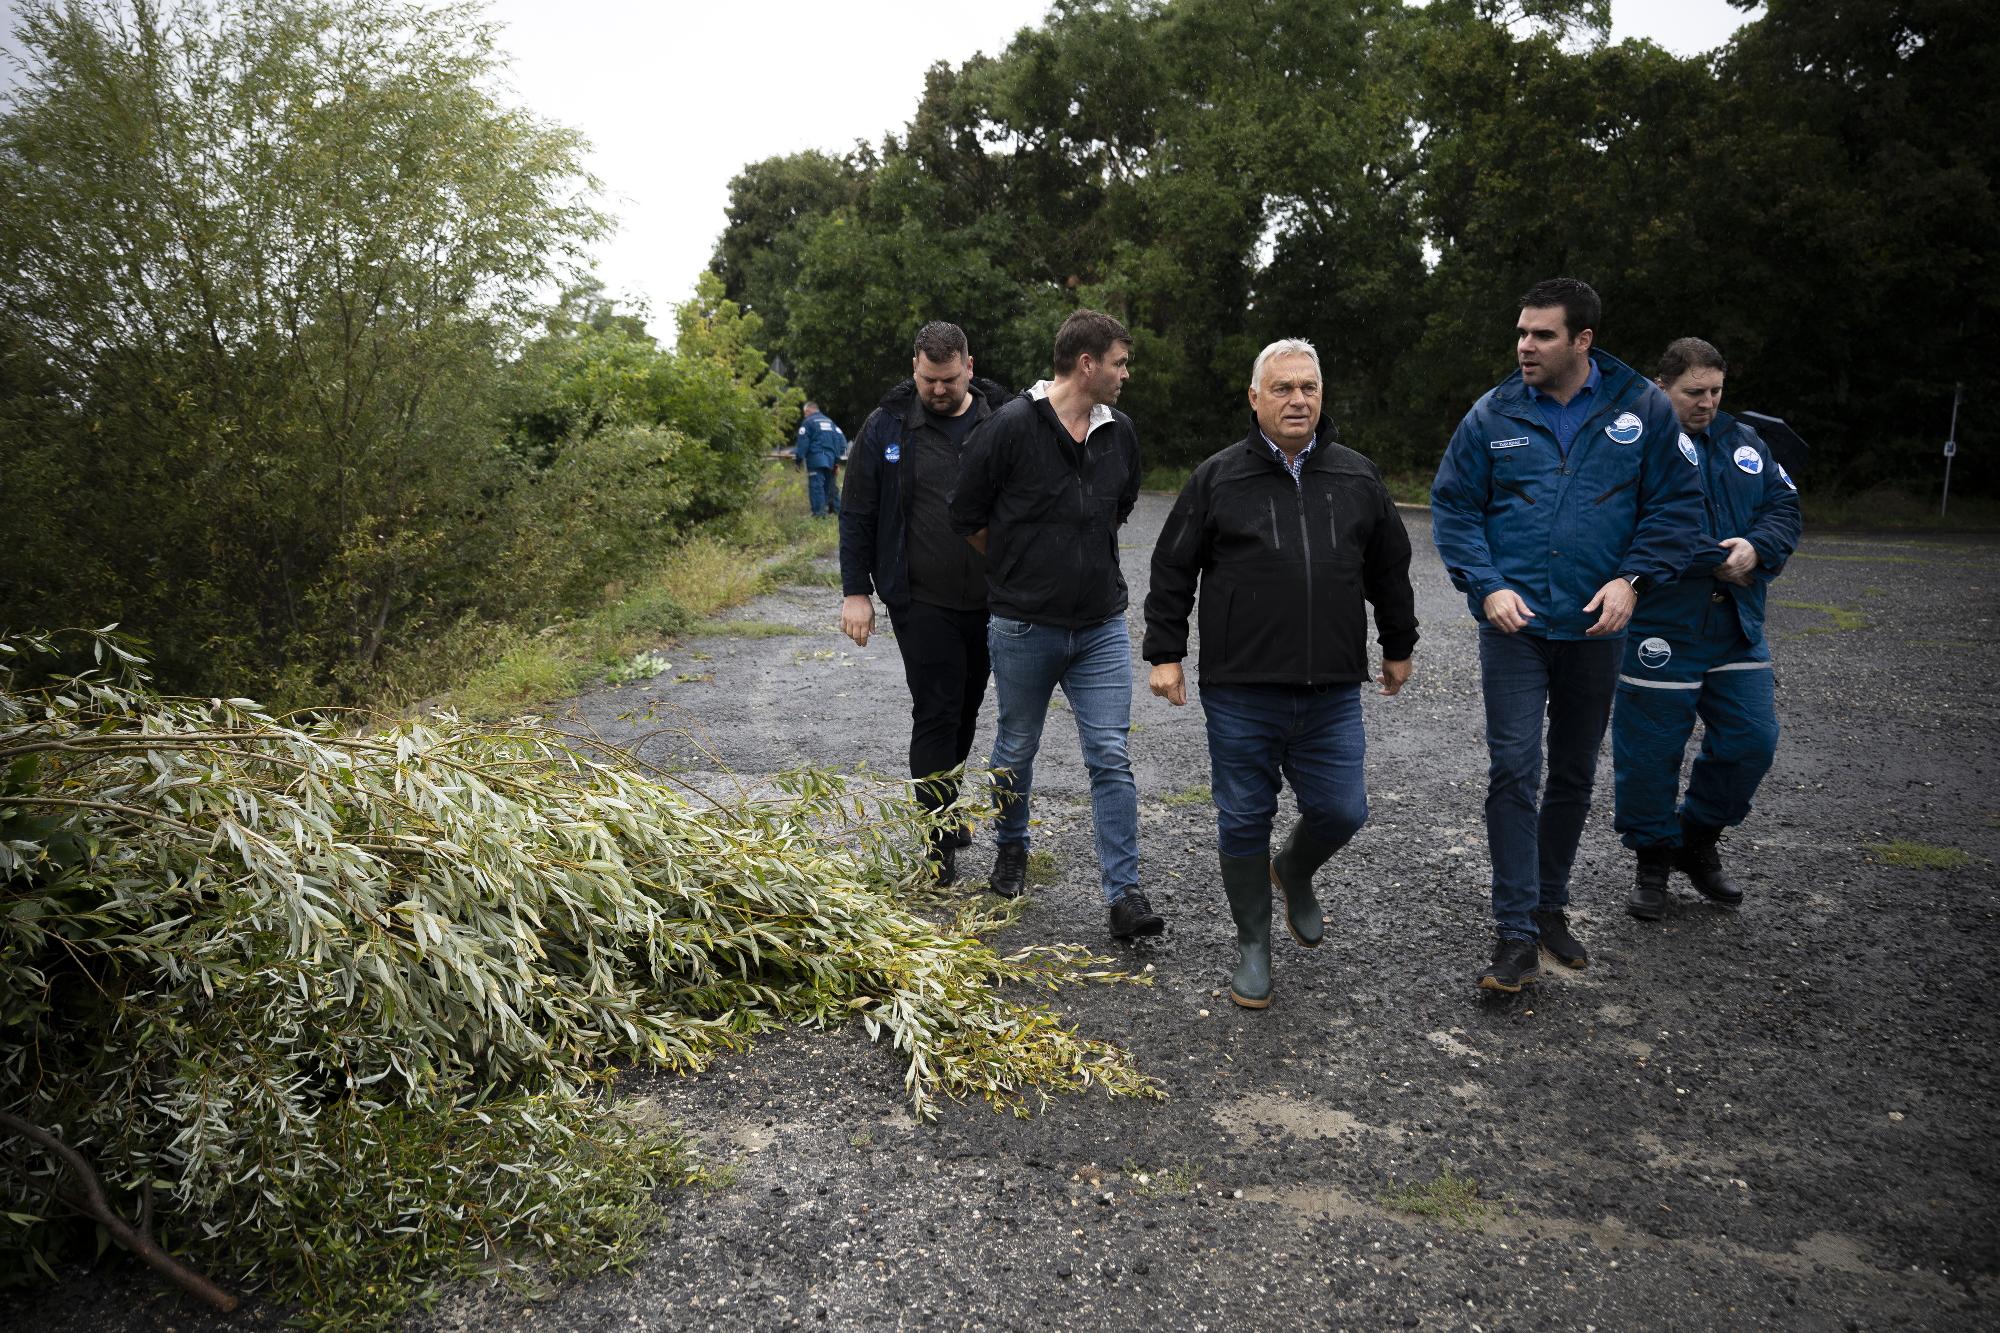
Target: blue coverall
<point x="1696" y="648"/>
<point x="819" y="447"/>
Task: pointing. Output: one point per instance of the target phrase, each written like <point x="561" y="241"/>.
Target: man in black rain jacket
<point x="1287" y="533"/>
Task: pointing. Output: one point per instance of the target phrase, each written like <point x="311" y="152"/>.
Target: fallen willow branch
<point x="96" y="1205"/>
<point x="347" y="1006"/>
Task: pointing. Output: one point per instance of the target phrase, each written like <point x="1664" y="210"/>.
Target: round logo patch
<point x="892" y="453"/>
<point x="1785" y="476"/>
<point x="1687" y="450"/>
<point x="1749" y="459"/>
<point x="1626" y="430"/>
<point x="1655" y="653"/>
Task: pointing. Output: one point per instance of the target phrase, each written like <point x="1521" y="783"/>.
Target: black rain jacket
<point x="874" y="501"/>
<point x="1283" y="568"/>
<point x="1052" y="509"/>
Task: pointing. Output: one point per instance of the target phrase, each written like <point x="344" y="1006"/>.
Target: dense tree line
<point x="279" y="390"/>
<point x="1817" y="198"/>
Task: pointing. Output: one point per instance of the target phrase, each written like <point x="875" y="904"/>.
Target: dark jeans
<point x="945" y="662"/>
<point x="823" y="490"/>
<point x="1533" y="843"/>
<point x="1311" y="738"/>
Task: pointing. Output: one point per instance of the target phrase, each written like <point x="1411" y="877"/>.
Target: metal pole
<point x="1950" y="447"/>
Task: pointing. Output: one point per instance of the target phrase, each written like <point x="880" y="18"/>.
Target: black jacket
<point x="1283" y="568"/>
<point x="1051" y="508"/>
<point x="875" y="503"/>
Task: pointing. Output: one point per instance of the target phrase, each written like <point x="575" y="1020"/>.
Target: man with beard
<point x="1046" y="485"/>
<point x="1291" y="536"/>
<point x="1565" y="495"/>
<point x="1696" y="648"/>
<point x="896" y="541"/>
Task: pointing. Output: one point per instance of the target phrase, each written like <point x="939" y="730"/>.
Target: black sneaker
<point x="1132" y="916"/>
<point x="1649" y="884"/>
<point x="1010" y="870"/>
<point x="1557" y="942"/>
<point x="1516" y="963"/>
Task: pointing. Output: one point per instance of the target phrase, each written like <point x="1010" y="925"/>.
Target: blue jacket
<point x="1509" y="511"/>
<point x="1745" y="494"/>
<point x="819" y="443"/>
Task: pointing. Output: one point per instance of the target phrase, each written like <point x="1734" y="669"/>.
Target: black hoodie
<point x="878" y="495"/>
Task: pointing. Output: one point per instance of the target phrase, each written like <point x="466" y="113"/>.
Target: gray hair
<point x="1284" y="347"/>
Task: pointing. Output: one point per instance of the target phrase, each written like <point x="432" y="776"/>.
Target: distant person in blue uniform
<point x="1564" y="495"/>
<point x="819" y="447"/>
<point x="1696" y="649"/>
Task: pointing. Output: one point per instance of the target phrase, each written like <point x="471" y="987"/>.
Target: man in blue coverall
<point x="819" y="447"/>
<point x="1697" y="649"/>
<point x="1566" y="493"/>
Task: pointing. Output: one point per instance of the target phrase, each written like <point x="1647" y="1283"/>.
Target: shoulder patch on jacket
<point x="1749" y="459"/>
<point x="1688" y="450"/>
<point x="893" y="453"/>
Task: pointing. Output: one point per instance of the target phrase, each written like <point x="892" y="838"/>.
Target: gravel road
<point x="1778" y="1117"/>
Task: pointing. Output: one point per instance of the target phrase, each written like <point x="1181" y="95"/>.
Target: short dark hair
<point x="940" y="342"/>
<point x="1087" y="333"/>
<point x="1685" y="354"/>
<point x="1581" y="308"/>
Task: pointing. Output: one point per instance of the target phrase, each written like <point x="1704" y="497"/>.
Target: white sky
<point x="676" y="96"/>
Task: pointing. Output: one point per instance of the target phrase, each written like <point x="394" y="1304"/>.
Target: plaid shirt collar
<point x="1292" y="465"/>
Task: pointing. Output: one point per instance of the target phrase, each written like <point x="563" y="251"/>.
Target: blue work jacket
<point x="1509" y="510"/>
<point x="1745" y="494"/>
<point x="819" y="443"/>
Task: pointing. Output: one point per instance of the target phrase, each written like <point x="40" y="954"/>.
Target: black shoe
<point x="1132" y="916"/>
<point x="1702" y="864"/>
<point x="1649" y="885"/>
<point x="1557" y="942"/>
<point x="961" y="836"/>
<point x="1516" y="963"/>
<point x="944" y="859"/>
<point x="1010" y="870"/>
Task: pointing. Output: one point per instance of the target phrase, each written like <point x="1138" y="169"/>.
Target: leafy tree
<point x="257" y="271"/>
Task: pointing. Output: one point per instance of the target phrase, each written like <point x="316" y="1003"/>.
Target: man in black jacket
<point x="1046" y="484"/>
<point x="1287" y="533"/>
<point x="896" y="541"/>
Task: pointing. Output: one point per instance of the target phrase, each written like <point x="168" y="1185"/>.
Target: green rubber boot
<point x="1292" y="872"/>
<point x="1247" y="881"/>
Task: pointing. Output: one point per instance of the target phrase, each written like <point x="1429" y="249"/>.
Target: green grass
<point x="1843" y="618"/>
<point x="752" y="629"/>
<point x="1919" y="855"/>
<point x="1192" y="796"/>
<point x="1042" y="869"/>
<point x="1169" y="479"/>
<point x="1450" y="1198"/>
<point x="1163" y="1181"/>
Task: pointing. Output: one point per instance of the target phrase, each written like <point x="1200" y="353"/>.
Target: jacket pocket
<point x="1512" y="489"/>
<point x="1622" y="486"/>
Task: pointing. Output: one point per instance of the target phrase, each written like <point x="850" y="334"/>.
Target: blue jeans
<point x="1312" y="738"/>
<point x="1093" y="665"/>
<point x="1533" y="843"/>
<point x="822" y="491"/>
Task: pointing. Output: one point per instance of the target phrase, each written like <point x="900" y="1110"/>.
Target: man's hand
<point x="857" y="619"/>
<point x="1395" y="674"/>
<point x="978" y="540"/>
<point x="1167" y="681"/>
<point x="1613" y="603"/>
<point x="1742" y="560"/>
<point x="1506" y="612"/>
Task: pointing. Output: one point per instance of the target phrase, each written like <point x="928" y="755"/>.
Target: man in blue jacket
<point x="819" y="446"/>
<point x="1566" y="495"/>
<point x="1291" y="536"/>
<point x="896" y="541"/>
<point x="1697" y="649"/>
<point x="1047" y="482"/>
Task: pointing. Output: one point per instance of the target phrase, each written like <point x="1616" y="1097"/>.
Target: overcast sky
<point x="676" y="96"/>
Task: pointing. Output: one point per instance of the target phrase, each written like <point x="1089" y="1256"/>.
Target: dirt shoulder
<point x="1779" y="1116"/>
